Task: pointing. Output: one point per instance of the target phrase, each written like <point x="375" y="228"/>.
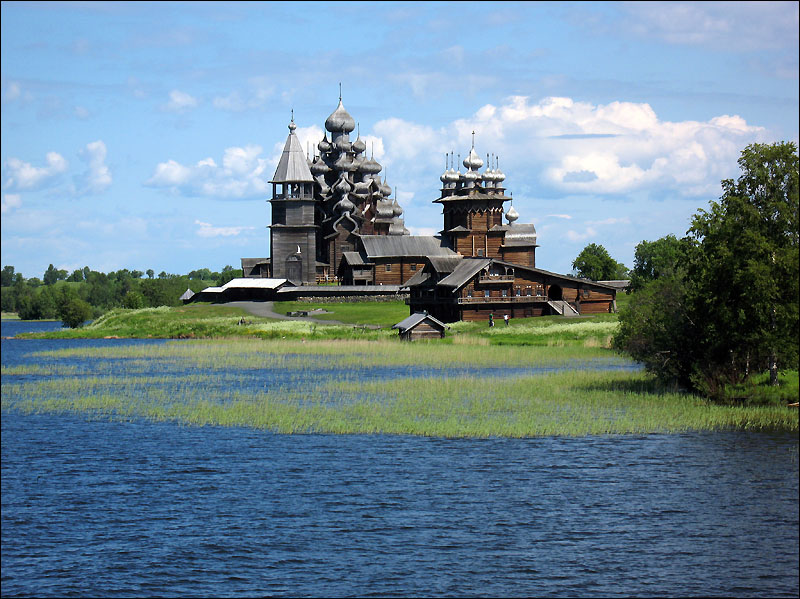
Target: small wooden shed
<point x="421" y="325"/>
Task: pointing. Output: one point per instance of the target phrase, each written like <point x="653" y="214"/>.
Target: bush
<point x="75" y="312"/>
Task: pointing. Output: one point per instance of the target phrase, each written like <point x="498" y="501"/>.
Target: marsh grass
<point x="383" y="314"/>
<point x="324" y="386"/>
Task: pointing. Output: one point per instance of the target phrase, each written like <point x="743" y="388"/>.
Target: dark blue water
<point x="95" y="508"/>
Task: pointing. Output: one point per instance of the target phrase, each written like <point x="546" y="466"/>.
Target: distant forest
<point x="46" y="298"/>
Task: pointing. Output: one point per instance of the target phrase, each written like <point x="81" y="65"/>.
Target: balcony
<point x="507" y="278"/>
<point x="511" y="299"/>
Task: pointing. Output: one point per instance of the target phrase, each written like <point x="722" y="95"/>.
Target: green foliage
<point x="133" y="300"/>
<point x="595" y="263"/>
<point x="656" y="259"/>
<point x="732" y="311"/>
<point x="75" y="312"/>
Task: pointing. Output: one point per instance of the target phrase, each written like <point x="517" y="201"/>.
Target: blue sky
<point x="142" y="135"/>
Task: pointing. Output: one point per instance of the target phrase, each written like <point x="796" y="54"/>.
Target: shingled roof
<point x="389" y="246"/>
<point x="293" y="166"/>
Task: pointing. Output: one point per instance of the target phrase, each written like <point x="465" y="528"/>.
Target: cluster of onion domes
<point x="472" y="178"/>
<point x="349" y="182"/>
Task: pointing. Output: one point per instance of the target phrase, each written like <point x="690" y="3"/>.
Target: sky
<point x="143" y="135"/>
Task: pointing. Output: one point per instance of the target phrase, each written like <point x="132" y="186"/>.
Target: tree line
<point x="85" y="294"/>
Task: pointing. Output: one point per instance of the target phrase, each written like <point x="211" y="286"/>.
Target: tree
<point x="7" y="276"/>
<point x="655" y="260"/>
<point x="595" y="263"/>
<point x="150" y="273"/>
<point x="75" y="312"/>
<point x="53" y="275"/>
<point x="732" y="309"/>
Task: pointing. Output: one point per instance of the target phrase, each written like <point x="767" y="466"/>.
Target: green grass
<point x="384" y="314"/>
<point x="10" y="316"/>
<point x="202" y="383"/>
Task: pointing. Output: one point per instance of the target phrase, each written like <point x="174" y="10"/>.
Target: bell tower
<point x="293" y="234"/>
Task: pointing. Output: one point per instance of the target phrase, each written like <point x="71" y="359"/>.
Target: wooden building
<point x="421" y="325"/>
<point x="474" y="288"/>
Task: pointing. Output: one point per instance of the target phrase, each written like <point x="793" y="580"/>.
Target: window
<point x="519" y="292"/>
<point x="388" y="268"/>
<point x="480" y="253"/>
<point x="505" y="292"/>
<point x="469" y="292"/>
<point x="413" y="267"/>
<point x="528" y="291"/>
<point x="585" y="293"/>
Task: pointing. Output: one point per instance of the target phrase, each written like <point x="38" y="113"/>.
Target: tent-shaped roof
<point x="187" y="295"/>
<point x="293" y="166"/>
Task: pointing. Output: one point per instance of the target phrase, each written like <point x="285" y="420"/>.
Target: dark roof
<point x="418" y="317"/>
<point x="419" y="277"/>
<point x="390" y="246"/>
<point x="354" y="259"/>
<point x="465" y="271"/>
<point x="445" y="263"/>
<point x="255" y="261"/>
<point x="474" y="196"/>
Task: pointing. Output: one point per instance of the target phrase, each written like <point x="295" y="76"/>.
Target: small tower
<point x="293" y="232"/>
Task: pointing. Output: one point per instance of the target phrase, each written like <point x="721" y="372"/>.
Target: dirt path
<point x="266" y="310"/>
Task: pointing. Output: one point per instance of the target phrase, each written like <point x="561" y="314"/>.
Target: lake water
<point x="109" y="508"/>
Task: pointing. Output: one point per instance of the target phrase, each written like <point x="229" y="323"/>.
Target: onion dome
<point x="342" y="186"/>
<point x="340" y="120"/>
<point x="344" y="163"/>
<point x="342" y="144"/>
<point x="397" y="227"/>
<point x="324" y="146"/>
<point x="358" y="145"/>
<point x="385" y="189"/>
<point x="345" y="205"/>
<point x="398" y="211"/>
<point x="318" y="167"/>
<point x="361" y="187"/>
<point x="511" y="214"/>
<point x="324" y="189"/>
<point x="473" y="161"/>
<point x="384" y="209"/>
<point x="499" y="176"/>
<point x="371" y="167"/>
<point x="470" y="177"/>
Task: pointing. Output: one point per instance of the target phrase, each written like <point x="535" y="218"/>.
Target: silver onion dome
<point x="511" y="215"/>
<point x="340" y="120"/>
<point x="385" y="189"/>
<point x="358" y="145"/>
<point x="324" y="146"/>
<point x="398" y="211"/>
<point x="473" y="161"/>
<point x="371" y="167"/>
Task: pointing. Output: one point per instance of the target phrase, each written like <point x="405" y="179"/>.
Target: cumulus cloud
<point x="10" y="202"/>
<point x="21" y="175"/>
<point x="208" y="230"/>
<point x="179" y="101"/>
<point x="98" y="176"/>
<point x="242" y="174"/>
<point x="616" y="148"/>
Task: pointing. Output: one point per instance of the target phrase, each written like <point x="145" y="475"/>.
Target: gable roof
<point x="417" y="318"/>
<point x="388" y="246"/>
<point x="465" y="271"/>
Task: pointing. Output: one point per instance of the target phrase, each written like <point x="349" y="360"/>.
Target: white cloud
<point x="243" y="174"/>
<point x="564" y="216"/>
<point x="12" y="91"/>
<point x="208" y="230"/>
<point x="620" y="147"/>
<point x="21" y="175"/>
<point x="98" y="177"/>
<point x="179" y="101"/>
<point x="10" y="202"/>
